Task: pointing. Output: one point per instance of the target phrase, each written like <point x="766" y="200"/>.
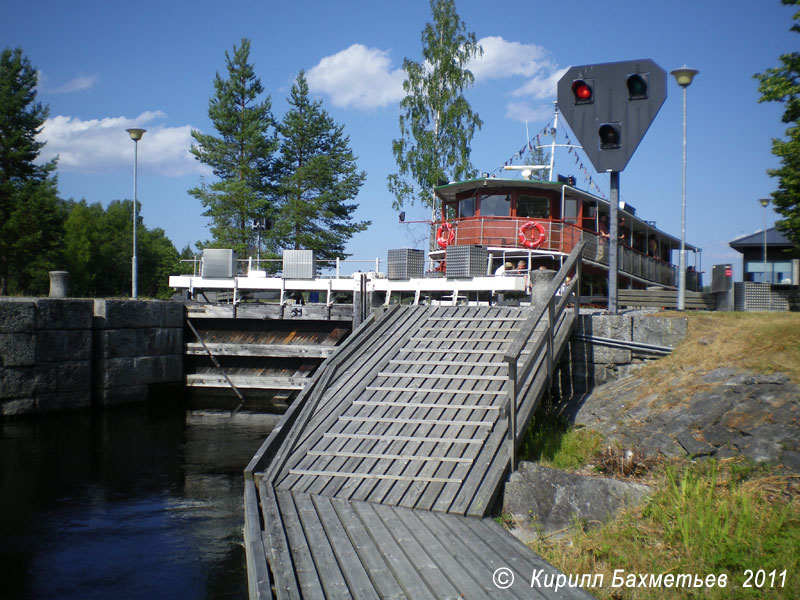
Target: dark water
<point x="125" y="504"/>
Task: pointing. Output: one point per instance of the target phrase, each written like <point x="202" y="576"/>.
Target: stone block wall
<point x="70" y="354"/>
<point x="45" y="355"/>
<point x="136" y="344"/>
<point x="590" y="363"/>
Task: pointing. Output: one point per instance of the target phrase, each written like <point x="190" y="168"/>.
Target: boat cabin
<point x="540" y="222"/>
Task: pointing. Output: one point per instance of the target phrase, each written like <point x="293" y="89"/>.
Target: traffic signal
<point x="610" y="135"/>
<point x="637" y="86"/>
<point x="583" y="91"/>
<point x="610" y="106"/>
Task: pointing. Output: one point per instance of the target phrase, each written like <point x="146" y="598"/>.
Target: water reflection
<point x="125" y="504"/>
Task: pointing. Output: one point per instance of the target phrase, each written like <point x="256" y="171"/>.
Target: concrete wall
<point x="68" y="354"/>
<point x="592" y="364"/>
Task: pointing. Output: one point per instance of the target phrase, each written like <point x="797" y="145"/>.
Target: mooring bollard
<point x="59" y="284"/>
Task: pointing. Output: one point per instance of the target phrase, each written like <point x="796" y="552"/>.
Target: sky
<point x="107" y="66"/>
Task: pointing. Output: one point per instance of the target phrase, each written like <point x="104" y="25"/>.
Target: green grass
<point x="702" y="519"/>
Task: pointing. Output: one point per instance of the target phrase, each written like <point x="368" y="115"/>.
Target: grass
<point x="702" y="518"/>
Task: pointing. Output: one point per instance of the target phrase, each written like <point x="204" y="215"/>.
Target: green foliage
<point x="437" y="122"/>
<point x="240" y="156"/>
<point x="317" y="179"/>
<point x="782" y="84"/>
<point x="29" y="209"/>
<point x="98" y="245"/>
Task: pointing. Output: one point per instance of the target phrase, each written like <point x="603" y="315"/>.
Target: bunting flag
<point x="536" y="142"/>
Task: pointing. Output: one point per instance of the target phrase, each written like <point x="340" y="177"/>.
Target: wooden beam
<point x="212" y="380"/>
<point x="263" y="350"/>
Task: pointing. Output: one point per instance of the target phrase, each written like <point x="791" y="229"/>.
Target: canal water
<point x="131" y="503"/>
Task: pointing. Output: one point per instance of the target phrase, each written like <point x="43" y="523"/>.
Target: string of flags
<point x="536" y="142"/>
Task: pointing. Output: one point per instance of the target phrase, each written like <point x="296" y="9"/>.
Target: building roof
<point x="775" y="239"/>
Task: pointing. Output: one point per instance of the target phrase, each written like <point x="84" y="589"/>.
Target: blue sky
<point x="106" y="66"/>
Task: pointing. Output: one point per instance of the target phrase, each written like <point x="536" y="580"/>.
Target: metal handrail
<point x="554" y="306"/>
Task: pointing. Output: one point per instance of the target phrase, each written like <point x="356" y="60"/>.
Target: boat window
<point x="450" y="210"/>
<point x="466" y="207"/>
<point x="496" y="205"/>
<point x="533" y="207"/>
<point x="570" y="209"/>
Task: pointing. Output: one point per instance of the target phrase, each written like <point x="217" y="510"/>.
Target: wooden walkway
<point x="378" y="481"/>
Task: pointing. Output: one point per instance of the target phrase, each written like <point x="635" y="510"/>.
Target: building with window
<point x="782" y="264"/>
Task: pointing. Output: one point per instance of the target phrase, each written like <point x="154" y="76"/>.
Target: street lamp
<point x="684" y="77"/>
<point x="765" y="202"/>
<point x="136" y="134"/>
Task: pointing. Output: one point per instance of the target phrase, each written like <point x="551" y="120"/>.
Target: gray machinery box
<point x="406" y="263"/>
<point x="299" y="264"/>
<point x="219" y="263"/>
<point x="722" y="286"/>
<point x="465" y="262"/>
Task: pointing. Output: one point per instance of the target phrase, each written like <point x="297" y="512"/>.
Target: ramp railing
<point x="535" y="343"/>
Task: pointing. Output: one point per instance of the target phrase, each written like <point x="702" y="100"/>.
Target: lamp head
<point x="684" y="75"/>
<point x="136" y="133"/>
<point x="764" y="202"/>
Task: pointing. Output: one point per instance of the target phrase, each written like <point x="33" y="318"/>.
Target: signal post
<point x="609" y="107"/>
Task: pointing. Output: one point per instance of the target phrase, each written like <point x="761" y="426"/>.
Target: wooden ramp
<point x="378" y="480"/>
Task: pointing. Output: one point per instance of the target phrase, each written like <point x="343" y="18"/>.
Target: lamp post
<point x="136" y="134"/>
<point x="765" y="202"/>
<point x="684" y="77"/>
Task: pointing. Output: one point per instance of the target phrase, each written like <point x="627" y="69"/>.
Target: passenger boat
<point x="539" y="222"/>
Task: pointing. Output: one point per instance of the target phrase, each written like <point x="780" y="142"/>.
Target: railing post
<point x="550" y="338"/>
<point x="512" y="414"/>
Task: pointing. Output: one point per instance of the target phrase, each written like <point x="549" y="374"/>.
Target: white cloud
<point x="78" y="84"/>
<point x="358" y="77"/>
<point x="540" y="87"/>
<point x="502" y="59"/>
<point x="98" y="145"/>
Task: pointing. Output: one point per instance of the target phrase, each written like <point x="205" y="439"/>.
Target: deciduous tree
<point x="782" y="84"/>
<point x="436" y="121"/>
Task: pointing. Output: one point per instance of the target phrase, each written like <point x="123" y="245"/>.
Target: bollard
<point x="540" y="279"/>
<point x="59" y="284"/>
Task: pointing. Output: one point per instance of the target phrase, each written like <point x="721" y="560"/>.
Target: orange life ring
<point x="445" y="235"/>
<point x="538" y="240"/>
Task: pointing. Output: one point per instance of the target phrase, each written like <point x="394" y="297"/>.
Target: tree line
<point x="41" y="232"/>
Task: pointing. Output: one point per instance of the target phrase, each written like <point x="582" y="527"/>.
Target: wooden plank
<point x="261" y="350"/>
<point x="406" y="494"/>
<point x="383" y="456"/>
<point x="258" y="579"/>
<point x="404" y="438"/>
<point x="354" y="475"/>
<point x="329" y="571"/>
<point x="363" y="545"/>
<point x="426" y="390"/>
<point x="425" y="405"/>
<point x="424" y="560"/>
<point x="307" y="575"/>
<point x="444" y="376"/>
<point x="211" y="380"/>
<point x="279" y="555"/>
<point x="474" y="534"/>
<point x="447" y="363"/>
<point x="419" y="421"/>
<point x="406" y="572"/>
<point x="447" y="557"/>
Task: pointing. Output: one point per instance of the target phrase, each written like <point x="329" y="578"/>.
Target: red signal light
<point x="582" y="91"/>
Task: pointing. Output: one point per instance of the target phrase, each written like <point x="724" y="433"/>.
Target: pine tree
<point x="240" y="156"/>
<point x="317" y="179"/>
<point x="30" y="211"/>
<point x="437" y="122"/>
